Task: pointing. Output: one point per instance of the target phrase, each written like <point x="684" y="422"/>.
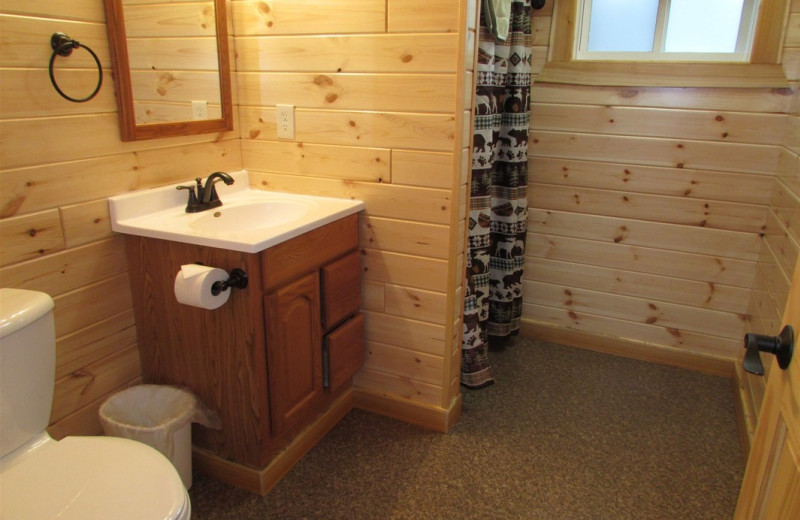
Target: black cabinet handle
<point x="781" y="345"/>
<point x="326" y="363"/>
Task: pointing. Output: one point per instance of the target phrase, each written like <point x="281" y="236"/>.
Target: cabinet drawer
<point x="343" y="353"/>
<point x="310" y="251"/>
<point x="341" y="289"/>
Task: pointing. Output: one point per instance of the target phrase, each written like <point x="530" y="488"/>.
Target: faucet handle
<point x="191" y="205"/>
<point x="190" y="188"/>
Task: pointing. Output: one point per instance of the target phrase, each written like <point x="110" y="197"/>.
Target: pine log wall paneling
<point x="382" y="91"/>
<point x="58" y="163"/>
<point x="655" y="213"/>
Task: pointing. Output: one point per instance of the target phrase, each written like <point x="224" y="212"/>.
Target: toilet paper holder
<point x="237" y="279"/>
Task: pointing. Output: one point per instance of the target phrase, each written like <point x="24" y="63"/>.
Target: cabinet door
<point x="294" y="352"/>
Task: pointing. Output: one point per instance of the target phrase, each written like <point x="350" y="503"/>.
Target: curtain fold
<point x="498" y="198"/>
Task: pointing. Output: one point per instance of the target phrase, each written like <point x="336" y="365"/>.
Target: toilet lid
<point x="93" y="477"/>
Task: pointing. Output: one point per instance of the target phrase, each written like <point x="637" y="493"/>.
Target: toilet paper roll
<point x="193" y="286"/>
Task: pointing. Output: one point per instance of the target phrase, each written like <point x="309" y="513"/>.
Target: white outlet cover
<point x="199" y="109"/>
<point x="285" y="121"/>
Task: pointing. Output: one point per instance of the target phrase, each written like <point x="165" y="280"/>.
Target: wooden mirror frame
<point x="129" y="130"/>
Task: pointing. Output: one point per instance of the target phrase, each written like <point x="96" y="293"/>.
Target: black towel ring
<point x="62" y="46"/>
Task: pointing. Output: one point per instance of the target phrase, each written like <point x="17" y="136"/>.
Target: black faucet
<point x="206" y="196"/>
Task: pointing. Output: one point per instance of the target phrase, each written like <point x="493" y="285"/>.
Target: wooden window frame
<point x="763" y="70"/>
<point x="658" y="52"/>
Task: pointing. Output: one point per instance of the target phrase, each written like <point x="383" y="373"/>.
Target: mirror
<point x="171" y="67"/>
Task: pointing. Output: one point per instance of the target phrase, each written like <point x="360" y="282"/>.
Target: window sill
<point x="652" y="74"/>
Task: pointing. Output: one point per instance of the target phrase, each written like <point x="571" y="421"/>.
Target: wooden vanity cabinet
<point x="275" y="356"/>
<point x="312" y="284"/>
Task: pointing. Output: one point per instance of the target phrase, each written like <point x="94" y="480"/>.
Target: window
<point x="670" y="30"/>
<point x="756" y="66"/>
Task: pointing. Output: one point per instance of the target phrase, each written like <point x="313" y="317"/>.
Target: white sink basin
<point x="247" y="216"/>
<point x="249" y="220"/>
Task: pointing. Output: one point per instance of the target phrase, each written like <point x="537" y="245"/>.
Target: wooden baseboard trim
<point x="263" y="480"/>
<point x="431" y="417"/>
<point x="233" y="473"/>
<point x="660" y="354"/>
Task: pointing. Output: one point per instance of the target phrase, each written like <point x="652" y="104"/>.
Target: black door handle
<point x="781" y="345"/>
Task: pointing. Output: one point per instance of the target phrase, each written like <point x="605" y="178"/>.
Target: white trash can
<point x="161" y="417"/>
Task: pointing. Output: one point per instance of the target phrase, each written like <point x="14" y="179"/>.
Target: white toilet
<point x="78" y="477"/>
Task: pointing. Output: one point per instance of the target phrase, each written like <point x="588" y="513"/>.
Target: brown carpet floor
<point x="564" y="433"/>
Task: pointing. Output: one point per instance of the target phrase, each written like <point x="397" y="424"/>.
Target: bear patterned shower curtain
<point x="498" y="198"/>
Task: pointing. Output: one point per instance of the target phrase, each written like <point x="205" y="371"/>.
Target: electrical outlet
<point x="200" y="109"/>
<point x="285" y="116"/>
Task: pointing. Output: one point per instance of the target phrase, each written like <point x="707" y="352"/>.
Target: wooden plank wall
<point x="654" y="212"/>
<point x="382" y="90"/>
<point x="58" y="162"/>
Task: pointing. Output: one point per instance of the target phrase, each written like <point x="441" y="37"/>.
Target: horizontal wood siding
<point x="381" y="96"/>
<point x="59" y="161"/>
<point x="665" y="216"/>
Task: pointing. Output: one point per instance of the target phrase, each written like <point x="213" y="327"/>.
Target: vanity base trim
<point x="263" y="480"/>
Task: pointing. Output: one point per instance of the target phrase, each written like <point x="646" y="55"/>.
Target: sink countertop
<point x="160" y="213"/>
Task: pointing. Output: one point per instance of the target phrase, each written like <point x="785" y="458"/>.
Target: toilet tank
<point x="27" y="366"/>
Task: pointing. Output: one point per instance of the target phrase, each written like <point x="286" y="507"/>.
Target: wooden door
<point x="771" y="486"/>
<point x="294" y="352"/>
